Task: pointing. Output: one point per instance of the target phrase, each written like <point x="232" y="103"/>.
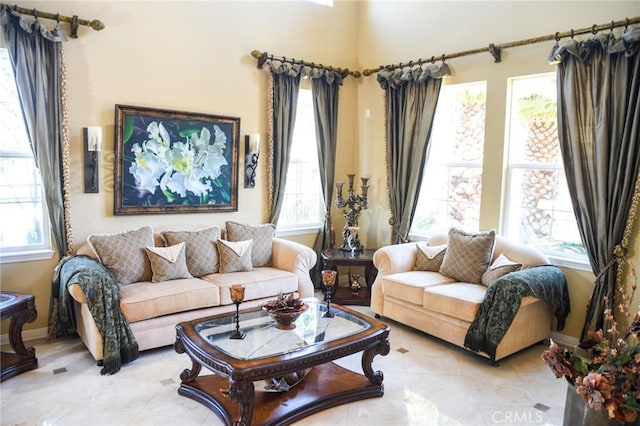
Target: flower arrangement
<point x="609" y="375"/>
<point x="176" y="169"/>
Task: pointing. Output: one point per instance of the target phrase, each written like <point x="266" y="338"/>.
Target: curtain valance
<point x="628" y="43"/>
<point x="297" y="69"/>
<point x="9" y="16"/>
<point x="396" y="77"/>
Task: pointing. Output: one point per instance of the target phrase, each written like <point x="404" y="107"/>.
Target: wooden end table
<point x="332" y="258"/>
<point x="20" y="308"/>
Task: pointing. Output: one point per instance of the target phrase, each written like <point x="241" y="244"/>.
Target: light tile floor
<point x="427" y="382"/>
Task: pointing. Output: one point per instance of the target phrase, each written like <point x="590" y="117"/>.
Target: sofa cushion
<point x="201" y="250"/>
<point x="123" y="254"/>
<point x="235" y="256"/>
<point x="459" y="300"/>
<point x="262" y="236"/>
<point x="144" y="300"/>
<point x="468" y="255"/>
<point x="259" y="283"/>
<point x="409" y="286"/>
<point x="500" y="267"/>
<point x="168" y="263"/>
<point x="429" y="258"/>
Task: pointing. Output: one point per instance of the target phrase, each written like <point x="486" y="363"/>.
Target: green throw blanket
<point x="502" y="301"/>
<point x="103" y="300"/>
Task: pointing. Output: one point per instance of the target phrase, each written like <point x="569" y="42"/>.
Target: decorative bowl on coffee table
<point x="284" y="318"/>
<point x="285" y="310"/>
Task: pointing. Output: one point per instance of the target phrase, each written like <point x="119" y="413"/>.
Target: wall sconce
<point x="252" y="152"/>
<point x="92" y="145"/>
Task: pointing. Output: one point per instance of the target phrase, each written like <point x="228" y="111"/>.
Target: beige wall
<point x="188" y="57"/>
<point x="392" y="32"/>
<point x="195" y="57"/>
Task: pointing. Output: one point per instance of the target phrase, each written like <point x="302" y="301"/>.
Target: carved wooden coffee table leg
<point x="243" y="394"/>
<point x="187" y="375"/>
<point x="381" y="348"/>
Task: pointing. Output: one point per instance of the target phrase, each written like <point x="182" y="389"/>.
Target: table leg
<point x="243" y="394"/>
<point x="370" y="274"/>
<point x="15" y="331"/>
<point x="380" y="348"/>
<point x="187" y="375"/>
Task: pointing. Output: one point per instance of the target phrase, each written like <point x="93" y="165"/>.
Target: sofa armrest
<point x="298" y="259"/>
<point x="390" y="260"/>
<point x="76" y="292"/>
<point x="395" y="258"/>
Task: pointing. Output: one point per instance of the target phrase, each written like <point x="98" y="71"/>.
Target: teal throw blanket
<point x="103" y="300"/>
<point x="502" y="301"/>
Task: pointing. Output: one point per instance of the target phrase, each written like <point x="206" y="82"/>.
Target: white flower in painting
<point x="158" y="135"/>
<point x="186" y="174"/>
<point x="215" y="153"/>
<point x="147" y="168"/>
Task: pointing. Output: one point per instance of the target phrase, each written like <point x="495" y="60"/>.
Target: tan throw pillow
<point x="201" y="251"/>
<point x="235" y="256"/>
<point x="168" y="263"/>
<point x="123" y="254"/>
<point x="468" y="255"/>
<point x="429" y="258"/>
<point x="262" y="236"/>
<point x="500" y="267"/>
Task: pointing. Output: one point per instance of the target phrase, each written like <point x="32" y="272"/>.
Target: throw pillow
<point x="500" y="267"/>
<point x="262" y="236"/>
<point x="235" y="256"/>
<point x="201" y="252"/>
<point x="468" y="255"/>
<point x="168" y="263"/>
<point x="123" y="254"/>
<point x="429" y="258"/>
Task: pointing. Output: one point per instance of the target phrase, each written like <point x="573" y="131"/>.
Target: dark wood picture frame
<point x="175" y="162"/>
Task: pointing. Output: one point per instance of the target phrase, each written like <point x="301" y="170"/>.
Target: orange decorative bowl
<point x="286" y="317"/>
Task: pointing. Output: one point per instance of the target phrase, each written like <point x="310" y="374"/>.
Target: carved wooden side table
<point x="332" y="258"/>
<point x="20" y="308"/>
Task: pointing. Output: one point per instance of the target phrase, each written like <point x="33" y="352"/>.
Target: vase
<point x="578" y="413"/>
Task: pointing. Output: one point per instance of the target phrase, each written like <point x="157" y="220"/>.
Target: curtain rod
<point x="74" y="20"/>
<point x="263" y="56"/>
<point x="495" y="49"/>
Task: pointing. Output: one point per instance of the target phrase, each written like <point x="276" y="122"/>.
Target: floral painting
<point x="175" y="162"/>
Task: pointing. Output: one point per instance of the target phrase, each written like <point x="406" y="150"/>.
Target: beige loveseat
<point x="445" y="307"/>
<point x="153" y="309"/>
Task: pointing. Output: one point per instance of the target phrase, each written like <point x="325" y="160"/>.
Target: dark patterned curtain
<point x="599" y="129"/>
<point x="411" y="96"/>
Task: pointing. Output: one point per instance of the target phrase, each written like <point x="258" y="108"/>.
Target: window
<point x="24" y="228"/>
<point x="303" y="205"/>
<point x="452" y="180"/>
<point x="539" y="211"/>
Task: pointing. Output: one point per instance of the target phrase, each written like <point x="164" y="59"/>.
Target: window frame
<point x="31" y="252"/>
<point x="308" y="227"/>
<point x="575" y="261"/>
<point x="455" y="164"/>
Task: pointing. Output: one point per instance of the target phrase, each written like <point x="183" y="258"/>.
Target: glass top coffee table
<point x="238" y="391"/>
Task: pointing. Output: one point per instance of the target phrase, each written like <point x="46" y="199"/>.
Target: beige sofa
<point x="443" y="307"/>
<point x="154" y="308"/>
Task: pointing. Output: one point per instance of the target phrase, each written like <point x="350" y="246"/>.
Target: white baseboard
<point x="27" y="335"/>
<point x="564" y="340"/>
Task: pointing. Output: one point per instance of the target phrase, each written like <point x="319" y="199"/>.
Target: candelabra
<point x="352" y="206"/>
